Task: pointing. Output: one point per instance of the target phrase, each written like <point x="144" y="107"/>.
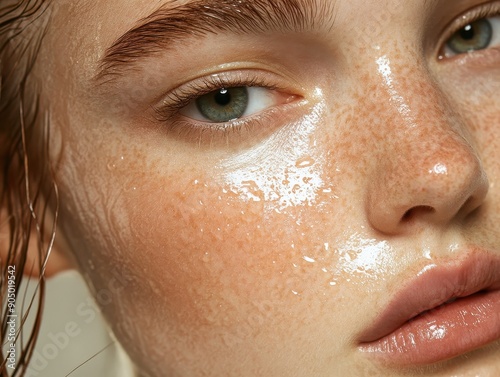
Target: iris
<point x="472" y="37"/>
<point x="224" y="105"/>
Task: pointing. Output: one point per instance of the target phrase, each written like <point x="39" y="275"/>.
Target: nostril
<point x="417" y="211"/>
<point x="403" y="198"/>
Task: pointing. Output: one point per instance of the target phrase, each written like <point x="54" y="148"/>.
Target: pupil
<point x="223" y="97"/>
<point x="467" y="32"/>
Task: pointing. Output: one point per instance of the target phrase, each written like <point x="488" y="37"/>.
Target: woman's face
<point x="274" y="188"/>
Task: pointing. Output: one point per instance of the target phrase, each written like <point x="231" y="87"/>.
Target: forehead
<point x="132" y="29"/>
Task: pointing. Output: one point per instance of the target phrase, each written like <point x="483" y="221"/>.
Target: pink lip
<point x="420" y="326"/>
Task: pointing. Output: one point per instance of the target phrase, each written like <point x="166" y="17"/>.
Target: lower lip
<point x="442" y="333"/>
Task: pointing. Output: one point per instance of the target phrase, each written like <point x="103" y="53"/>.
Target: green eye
<point x="472" y="37"/>
<point x="224" y="105"/>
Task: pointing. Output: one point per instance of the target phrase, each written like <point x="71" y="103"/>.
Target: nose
<point x="427" y="172"/>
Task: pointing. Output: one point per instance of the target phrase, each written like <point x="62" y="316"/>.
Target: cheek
<point x="225" y="272"/>
<point x="228" y="258"/>
<point x="229" y="262"/>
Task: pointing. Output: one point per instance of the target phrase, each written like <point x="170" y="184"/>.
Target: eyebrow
<point x="170" y="25"/>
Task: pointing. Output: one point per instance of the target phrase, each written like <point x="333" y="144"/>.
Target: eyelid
<point x="487" y="10"/>
<point x="268" y="98"/>
<point x="182" y="96"/>
<point x="242" y="132"/>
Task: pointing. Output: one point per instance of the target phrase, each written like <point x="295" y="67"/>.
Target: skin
<point x="267" y="252"/>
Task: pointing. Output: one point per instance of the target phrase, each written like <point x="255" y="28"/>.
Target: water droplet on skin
<point x="304" y="162"/>
<point x="127" y="189"/>
<point x="306" y="180"/>
<point x="155" y="289"/>
<point x="112" y="165"/>
<point x="351" y="255"/>
<point x="309" y="259"/>
<point x="251" y="185"/>
<point x="253" y="190"/>
<point x="218" y="234"/>
<point x="439" y="169"/>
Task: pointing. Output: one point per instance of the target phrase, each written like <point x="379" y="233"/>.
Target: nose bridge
<point x="419" y="127"/>
<point x="426" y="168"/>
<point x="414" y="101"/>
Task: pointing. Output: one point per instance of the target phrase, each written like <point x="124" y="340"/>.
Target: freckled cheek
<point x="214" y="241"/>
<point x="206" y="247"/>
<point x="208" y="244"/>
<point x="268" y="230"/>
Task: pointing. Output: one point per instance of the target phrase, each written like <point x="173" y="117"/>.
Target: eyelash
<point x="168" y="111"/>
<point x="181" y="97"/>
<point x="476" y="14"/>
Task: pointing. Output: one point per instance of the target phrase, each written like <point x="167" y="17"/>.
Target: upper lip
<point x="435" y="285"/>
